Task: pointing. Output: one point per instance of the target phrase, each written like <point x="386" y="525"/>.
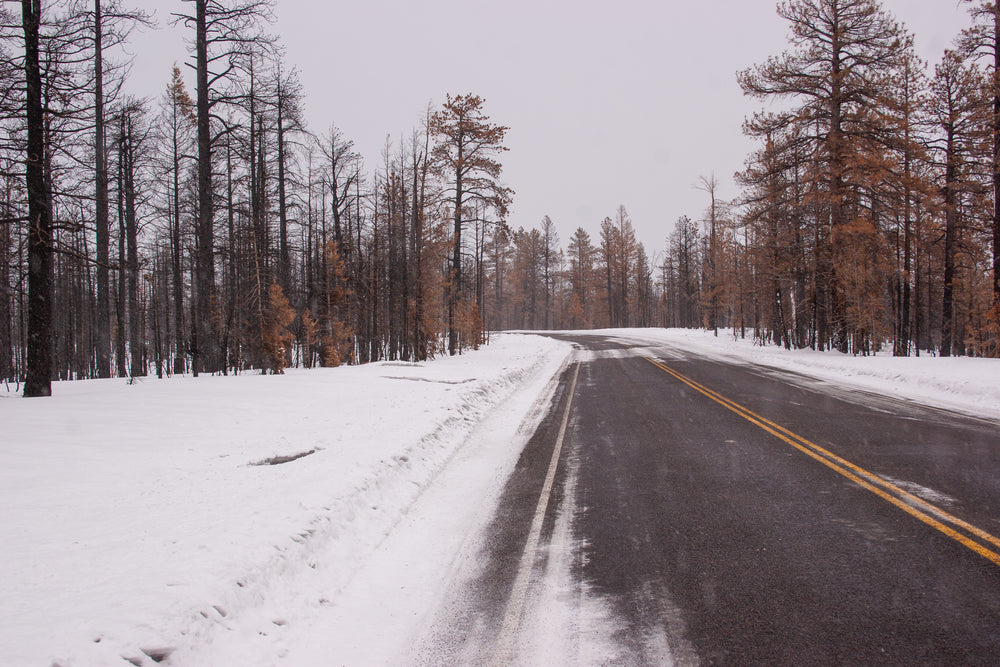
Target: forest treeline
<point x="211" y="231"/>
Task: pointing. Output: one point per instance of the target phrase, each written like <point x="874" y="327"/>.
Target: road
<point x="678" y="510"/>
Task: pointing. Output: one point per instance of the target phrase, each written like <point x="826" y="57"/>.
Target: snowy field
<point x="147" y="520"/>
<point x="136" y="520"/>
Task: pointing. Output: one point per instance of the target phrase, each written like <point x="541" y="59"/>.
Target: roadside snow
<point x="143" y="521"/>
<point x="960" y="384"/>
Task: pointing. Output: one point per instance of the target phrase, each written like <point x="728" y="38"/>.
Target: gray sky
<point x="625" y="102"/>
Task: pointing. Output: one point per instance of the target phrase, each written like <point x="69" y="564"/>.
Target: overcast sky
<point x="625" y="102"/>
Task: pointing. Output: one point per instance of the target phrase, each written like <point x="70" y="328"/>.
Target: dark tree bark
<point x="709" y="185"/>
<point x="128" y="152"/>
<point x="220" y="33"/>
<point x="205" y="352"/>
<point x="287" y="94"/>
<point x="958" y="111"/>
<point x="38" y="381"/>
<point x="420" y="167"/>
<point x="284" y="254"/>
<point x="102" y="337"/>
<point x="995" y="80"/>
<point x="121" y="311"/>
<point x="6" y="302"/>
<point x="982" y="39"/>
<point x="180" y="114"/>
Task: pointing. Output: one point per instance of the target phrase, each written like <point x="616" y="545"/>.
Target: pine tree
<point x="278" y="338"/>
<point x="843" y="49"/>
<point x="958" y="109"/>
<point x="466" y="154"/>
<point x="982" y="40"/>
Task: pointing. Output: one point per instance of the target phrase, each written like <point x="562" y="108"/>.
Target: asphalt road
<point x="718" y="514"/>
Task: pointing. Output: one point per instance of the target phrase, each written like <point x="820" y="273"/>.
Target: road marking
<point x="927" y="512"/>
<point x="503" y="650"/>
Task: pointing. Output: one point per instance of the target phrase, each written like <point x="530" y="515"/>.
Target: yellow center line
<point x="909" y="503"/>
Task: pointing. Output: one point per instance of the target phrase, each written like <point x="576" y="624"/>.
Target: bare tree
<point x="708" y="185"/>
<point x="176" y="125"/>
<point x="38" y="381"/>
<point x="111" y="27"/>
<point x="221" y="33"/>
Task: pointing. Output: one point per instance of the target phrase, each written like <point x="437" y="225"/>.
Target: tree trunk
<point x="455" y="282"/>
<point x="837" y="149"/>
<point x="136" y="342"/>
<point x="903" y="340"/>
<point x="176" y="252"/>
<point x="6" y="335"/>
<point x="121" y="314"/>
<point x="284" y="256"/>
<point x="205" y="350"/>
<point x="951" y="212"/>
<point x="996" y="159"/>
<point x="38" y="381"/>
<point x="232" y="340"/>
<point x="101" y="209"/>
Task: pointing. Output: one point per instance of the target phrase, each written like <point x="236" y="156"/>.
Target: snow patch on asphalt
<point x="566" y="622"/>
<point x="919" y="491"/>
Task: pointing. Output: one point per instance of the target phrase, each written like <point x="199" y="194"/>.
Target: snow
<point x="135" y="524"/>
<point x="140" y="521"/>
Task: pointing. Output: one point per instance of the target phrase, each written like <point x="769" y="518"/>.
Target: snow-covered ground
<point x="136" y="520"/>
<point x="143" y="520"/>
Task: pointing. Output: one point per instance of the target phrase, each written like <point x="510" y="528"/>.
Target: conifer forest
<point x="210" y="230"/>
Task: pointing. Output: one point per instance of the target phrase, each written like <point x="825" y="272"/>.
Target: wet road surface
<point x="678" y="510"/>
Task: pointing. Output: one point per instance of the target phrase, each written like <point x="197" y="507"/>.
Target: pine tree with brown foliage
<point x="466" y="151"/>
<point x="278" y="337"/>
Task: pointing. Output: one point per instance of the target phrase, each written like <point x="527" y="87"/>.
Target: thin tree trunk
<point x="176" y="252"/>
<point x="903" y="343"/>
<point x="205" y="352"/>
<point x="101" y="207"/>
<point x="137" y="365"/>
<point x="284" y="273"/>
<point x="455" y="281"/>
<point x="122" y="279"/>
<point x="996" y="159"/>
<point x="951" y="212"/>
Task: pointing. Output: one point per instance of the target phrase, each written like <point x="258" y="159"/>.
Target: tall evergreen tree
<point x="466" y="154"/>
<point x="842" y="50"/>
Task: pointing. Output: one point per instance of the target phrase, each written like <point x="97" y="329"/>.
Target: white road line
<point x="502" y="651"/>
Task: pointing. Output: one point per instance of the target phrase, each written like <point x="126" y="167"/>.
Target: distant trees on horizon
<point x="212" y="231"/>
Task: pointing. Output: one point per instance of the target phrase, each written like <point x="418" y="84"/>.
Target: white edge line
<point x="515" y="605"/>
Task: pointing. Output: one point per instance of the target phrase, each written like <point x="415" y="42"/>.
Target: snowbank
<point x="142" y="520"/>
<point x="961" y="384"/>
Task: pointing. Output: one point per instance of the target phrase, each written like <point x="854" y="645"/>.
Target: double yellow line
<point x="955" y="528"/>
